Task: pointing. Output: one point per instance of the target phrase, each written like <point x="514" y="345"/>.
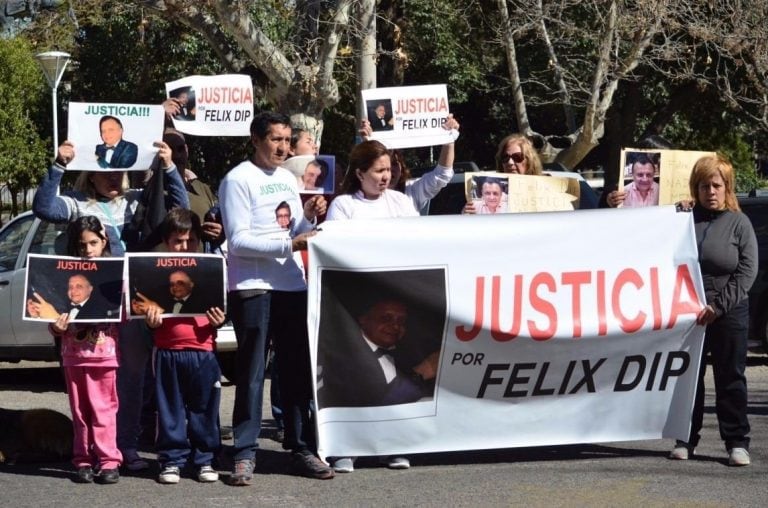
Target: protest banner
<point x="448" y="333"/>
<point x="409" y="116"/>
<point x="109" y="137"/>
<point x="671" y="171"/>
<point x="213" y="105"/>
<point x="180" y="284"/>
<point x="89" y="290"/>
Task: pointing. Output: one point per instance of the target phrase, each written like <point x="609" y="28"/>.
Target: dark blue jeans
<point x="188" y="396"/>
<point x="725" y="341"/>
<point x="250" y="319"/>
<point x="294" y="372"/>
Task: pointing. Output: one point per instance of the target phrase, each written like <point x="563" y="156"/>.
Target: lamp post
<point x="53" y="64"/>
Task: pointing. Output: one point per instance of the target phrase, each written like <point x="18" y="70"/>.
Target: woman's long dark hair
<point x="75" y="230"/>
<point x="361" y="157"/>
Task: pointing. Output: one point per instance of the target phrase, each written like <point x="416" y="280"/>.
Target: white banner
<point x="409" y="116"/>
<point x="473" y="332"/>
<point x="110" y="137"/>
<point x="213" y="105"/>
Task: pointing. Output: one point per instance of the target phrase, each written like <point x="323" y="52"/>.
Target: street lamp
<point x="53" y="64"/>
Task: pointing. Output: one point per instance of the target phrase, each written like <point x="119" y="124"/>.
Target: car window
<point x="11" y="240"/>
<point x="49" y="239"/>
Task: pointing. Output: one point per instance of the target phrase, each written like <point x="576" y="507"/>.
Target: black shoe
<point x="279" y="435"/>
<point x="84" y="475"/>
<point x="108" y="476"/>
<point x="304" y="463"/>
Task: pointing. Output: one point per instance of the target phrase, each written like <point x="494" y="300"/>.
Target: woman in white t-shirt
<point x="365" y="192"/>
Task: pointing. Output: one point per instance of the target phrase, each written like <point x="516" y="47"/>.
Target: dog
<point x="34" y="435"/>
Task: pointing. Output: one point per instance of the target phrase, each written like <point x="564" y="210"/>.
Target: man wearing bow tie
<point x="183" y="298"/>
<point x="370" y="369"/>
<point x="84" y="303"/>
<point x="382" y="120"/>
<point x="115" y="152"/>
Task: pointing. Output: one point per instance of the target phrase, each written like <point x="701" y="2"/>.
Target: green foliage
<point x="23" y="153"/>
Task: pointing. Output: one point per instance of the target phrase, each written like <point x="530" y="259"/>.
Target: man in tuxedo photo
<point x="370" y="367"/>
<point x="114" y="152"/>
<point x="183" y="299"/>
<point x="382" y="119"/>
<point x="81" y="303"/>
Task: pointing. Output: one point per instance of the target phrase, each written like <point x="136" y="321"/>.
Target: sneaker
<point x="84" y="474"/>
<point x="738" y="457"/>
<point x="681" y="451"/>
<point x="108" y="476"/>
<point x="242" y="473"/>
<point x="133" y="462"/>
<point x="397" y="462"/>
<point x="304" y="463"/>
<point x="207" y="474"/>
<point x="344" y="465"/>
<point x="170" y="475"/>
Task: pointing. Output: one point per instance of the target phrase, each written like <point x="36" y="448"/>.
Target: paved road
<point x="616" y="474"/>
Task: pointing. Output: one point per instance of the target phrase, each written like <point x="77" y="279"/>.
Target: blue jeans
<point x="294" y="379"/>
<point x="250" y="318"/>
<point x="188" y="397"/>
<point x="135" y="351"/>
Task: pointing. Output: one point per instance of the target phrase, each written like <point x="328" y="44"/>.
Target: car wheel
<point x="227" y="364"/>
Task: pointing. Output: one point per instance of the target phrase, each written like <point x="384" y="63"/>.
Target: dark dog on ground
<point x="34" y="435"/>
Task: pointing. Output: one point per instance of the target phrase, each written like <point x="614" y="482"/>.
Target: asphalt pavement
<point x="614" y="474"/>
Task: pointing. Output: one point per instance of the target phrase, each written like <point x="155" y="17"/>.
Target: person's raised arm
<point x="47" y="204"/>
<point x="174" y="183"/>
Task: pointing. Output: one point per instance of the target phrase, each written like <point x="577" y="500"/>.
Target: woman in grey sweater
<point x="728" y="259"/>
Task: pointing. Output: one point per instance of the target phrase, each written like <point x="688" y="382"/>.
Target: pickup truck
<point x="29" y="340"/>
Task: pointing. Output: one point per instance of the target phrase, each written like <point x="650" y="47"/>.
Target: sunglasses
<point x="516" y="157"/>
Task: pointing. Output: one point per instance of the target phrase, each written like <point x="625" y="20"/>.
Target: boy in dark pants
<point x="187" y="375"/>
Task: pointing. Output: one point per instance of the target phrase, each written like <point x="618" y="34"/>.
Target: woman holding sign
<point x="728" y="259"/>
<point x="103" y="194"/>
<point x="428" y="185"/>
<point x="367" y="194"/>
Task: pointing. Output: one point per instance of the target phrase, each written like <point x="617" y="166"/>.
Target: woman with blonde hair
<point x="728" y="259"/>
<point x="516" y="154"/>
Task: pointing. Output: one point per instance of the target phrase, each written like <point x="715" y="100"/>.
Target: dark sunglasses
<point x="517" y="157"/>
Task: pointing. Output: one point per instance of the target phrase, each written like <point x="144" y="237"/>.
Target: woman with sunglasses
<point x="517" y="155"/>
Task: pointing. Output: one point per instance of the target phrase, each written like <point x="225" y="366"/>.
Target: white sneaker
<point x="681" y="451"/>
<point x="738" y="457"/>
<point x="207" y="474"/>
<point x="397" y="463"/>
<point x="344" y="465"/>
<point x="169" y="475"/>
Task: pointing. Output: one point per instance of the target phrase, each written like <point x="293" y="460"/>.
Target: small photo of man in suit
<point x="380" y="115"/>
<point x="380" y="337"/>
<point x="114" y="152"/>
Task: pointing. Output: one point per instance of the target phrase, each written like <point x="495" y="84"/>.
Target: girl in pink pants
<point x="90" y="359"/>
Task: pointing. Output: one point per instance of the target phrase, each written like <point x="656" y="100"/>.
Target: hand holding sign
<point x="38" y="307"/>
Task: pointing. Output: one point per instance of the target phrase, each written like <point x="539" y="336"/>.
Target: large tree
<point x="577" y="54"/>
<point x="23" y="153"/>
